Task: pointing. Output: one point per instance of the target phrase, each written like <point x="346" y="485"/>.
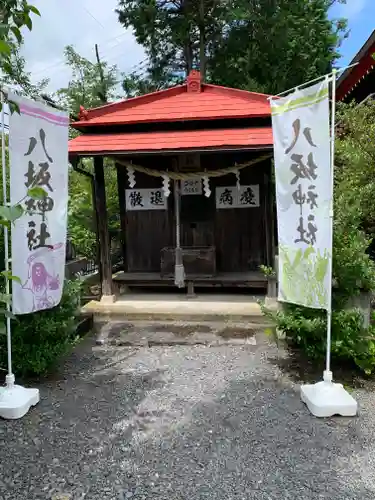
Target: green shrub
<point x="353" y="270"/>
<point x="40" y="339"/>
<point x="307" y="329"/>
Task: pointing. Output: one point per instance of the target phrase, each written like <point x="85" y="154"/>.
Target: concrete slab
<point x="179" y="307"/>
<point x="169" y="333"/>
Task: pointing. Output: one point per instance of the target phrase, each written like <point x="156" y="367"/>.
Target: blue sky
<point x="361" y="19"/>
<point x="86" y="22"/>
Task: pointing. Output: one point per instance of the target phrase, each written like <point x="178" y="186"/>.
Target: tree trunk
<point x="188" y="57"/>
<point x="103" y="94"/>
<point x="105" y="245"/>
<point x="202" y="41"/>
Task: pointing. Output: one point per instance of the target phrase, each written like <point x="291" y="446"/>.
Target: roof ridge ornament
<point x="194" y="81"/>
<point x="83" y="114"/>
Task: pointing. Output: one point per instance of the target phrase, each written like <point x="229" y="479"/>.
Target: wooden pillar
<point x="121" y="185"/>
<point x="273" y="213"/>
<point x="266" y="220"/>
<point x="271" y="299"/>
<point x="97" y="237"/>
<point x="105" y="246"/>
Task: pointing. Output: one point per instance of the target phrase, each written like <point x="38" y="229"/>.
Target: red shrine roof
<point x="192" y="102"/>
<point x="352" y="76"/>
<point x="172" y="140"/>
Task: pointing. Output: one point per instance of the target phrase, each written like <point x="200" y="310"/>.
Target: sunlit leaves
<point x="9" y="276"/>
<point x="37" y="193"/>
<point x="4" y="48"/>
<point x="11" y="213"/>
<point x="15" y="14"/>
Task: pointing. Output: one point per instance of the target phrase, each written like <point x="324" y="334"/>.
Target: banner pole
<point x="10" y="377"/>
<point x="327" y="376"/>
<point x="15" y="400"/>
<point x="324" y="398"/>
<point x="298" y="87"/>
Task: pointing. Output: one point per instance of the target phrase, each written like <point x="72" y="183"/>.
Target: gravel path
<point x="187" y="422"/>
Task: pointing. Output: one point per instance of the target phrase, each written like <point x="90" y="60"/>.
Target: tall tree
<point x="14" y="15"/>
<point x="175" y="33"/>
<point x="21" y="78"/>
<point x="266" y="45"/>
<point x="91" y="85"/>
<point x="272" y="45"/>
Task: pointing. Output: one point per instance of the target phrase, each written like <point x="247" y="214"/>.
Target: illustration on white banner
<point x="38" y="150"/>
<point x="301" y="133"/>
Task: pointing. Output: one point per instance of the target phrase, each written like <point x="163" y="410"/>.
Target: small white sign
<point x="145" y="199"/>
<point x="191" y="186"/>
<point x="232" y="197"/>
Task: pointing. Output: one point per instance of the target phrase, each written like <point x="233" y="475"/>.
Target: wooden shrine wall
<point x="242" y="236"/>
<point x="240" y="233"/>
<point x="147" y="232"/>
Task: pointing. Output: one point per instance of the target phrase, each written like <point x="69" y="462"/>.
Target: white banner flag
<point x="300" y="124"/>
<point x="38" y="150"/>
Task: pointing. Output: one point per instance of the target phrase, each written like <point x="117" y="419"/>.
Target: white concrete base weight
<point x="16" y="401"/>
<point x="326" y="399"/>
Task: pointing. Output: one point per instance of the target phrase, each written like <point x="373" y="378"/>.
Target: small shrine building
<point x="194" y="171"/>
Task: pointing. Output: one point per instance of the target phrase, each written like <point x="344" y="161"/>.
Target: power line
<point x="61" y="62"/>
<point x="141" y="65"/>
<point x="92" y="15"/>
<point x="58" y="66"/>
<point x="137" y="68"/>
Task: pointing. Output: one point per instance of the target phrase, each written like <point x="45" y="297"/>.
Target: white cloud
<point x="352" y="8"/>
<point x="81" y="23"/>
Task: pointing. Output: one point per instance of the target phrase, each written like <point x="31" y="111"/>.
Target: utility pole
<point x="103" y="94"/>
<point x="202" y="41"/>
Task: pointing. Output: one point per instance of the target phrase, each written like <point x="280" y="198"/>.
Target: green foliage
<point x="307" y="329"/>
<point x="269" y="46"/>
<point x="171" y="32"/>
<point x="135" y="85"/>
<point x="353" y="269"/>
<point x="267" y="271"/>
<point x="18" y="76"/>
<point x="40" y="339"/>
<point x="355" y="158"/>
<point x="353" y="272"/>
<point x="14" y="15"/>
<point x="91" y="84"/>
<point x="81" y="221"/>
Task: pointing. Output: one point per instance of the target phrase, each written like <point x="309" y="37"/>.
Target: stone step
<point x="169" y="333"/>
<point x="179" y="308"/>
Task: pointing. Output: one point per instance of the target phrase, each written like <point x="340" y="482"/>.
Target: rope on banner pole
<point x="10" y="377"/>
<point x="333" y="72"/>
<point x="327" y="376"/>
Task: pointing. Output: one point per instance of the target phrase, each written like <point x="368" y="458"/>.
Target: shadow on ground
<point x="303" y="370"/>
<point x="152" y="424"/>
